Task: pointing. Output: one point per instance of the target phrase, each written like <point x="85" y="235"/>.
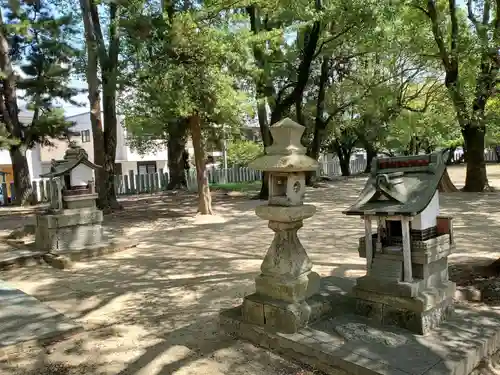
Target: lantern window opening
<point x="278" y="184"/>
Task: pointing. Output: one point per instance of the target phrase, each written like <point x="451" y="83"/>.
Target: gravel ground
<point x="152" y="310"/>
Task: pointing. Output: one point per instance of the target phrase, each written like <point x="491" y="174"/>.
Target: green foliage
<point x="195" y="69"/>
<point x="242" y="152"/>
<point x="41" y="46"/>
<point x="493" y="122"/>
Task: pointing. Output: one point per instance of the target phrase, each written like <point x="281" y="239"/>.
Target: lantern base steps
<point x="341" y="343"/>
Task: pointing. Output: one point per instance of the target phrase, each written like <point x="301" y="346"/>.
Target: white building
<point x="128" y="161"/>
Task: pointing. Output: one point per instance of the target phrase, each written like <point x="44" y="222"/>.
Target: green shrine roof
<point x="73" y="157"/>
<point x="401" y="185"/>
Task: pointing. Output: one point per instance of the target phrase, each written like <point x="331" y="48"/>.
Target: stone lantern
<point x="286" y="280"/>
<point x="72" y="221"/>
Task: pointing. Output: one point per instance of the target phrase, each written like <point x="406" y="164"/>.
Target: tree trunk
<point x="23" y="191"/>
<point x="204" y="197"/>
<point x="110" y="129"/>
<point x="476" y="178"/>
<point x="97" y="130"/>
<point x="371" y="154"/>
<point x="319" y="123"/>
<point x="176" y="148"/>
<point x="95" y="103"/>
<point x="266" y="136"/>
<point x="9" y="113"/>
<point x="109" y="147"/>
<point x="446" y="185"/>
<point x="345" y="165"/>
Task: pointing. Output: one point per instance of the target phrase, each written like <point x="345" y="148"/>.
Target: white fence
<point x="150" y="183"/>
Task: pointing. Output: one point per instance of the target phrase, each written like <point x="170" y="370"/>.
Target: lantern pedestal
<point x="286" y="281"/>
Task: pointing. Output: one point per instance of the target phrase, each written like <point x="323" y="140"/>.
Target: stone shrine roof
<point x="286" y="154"/>
<point x="401" y="185"/>
<point x="73" y="157"/>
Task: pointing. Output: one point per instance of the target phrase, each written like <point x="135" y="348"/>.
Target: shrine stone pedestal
<point x="72" y="229"/>
<point x="72" y="221"/>
<point x="419" y="305"/>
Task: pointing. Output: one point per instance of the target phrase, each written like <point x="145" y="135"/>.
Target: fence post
<point x="164" y="176"/>
<point x="142" y="188"/>
<point x="126" y="185"/>
<point x="12" y="193"/>
<point x="160" y="180"/>
<point x="34" y="187"/>
<point x="41" y="190"/>
<point x="116" y="183"/>
<point x="151" y="182"/>
<point x="5" y="194"/>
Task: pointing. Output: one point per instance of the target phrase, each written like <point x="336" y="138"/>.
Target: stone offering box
<point x="407" y="257"/>
<point x="72" y="221"/>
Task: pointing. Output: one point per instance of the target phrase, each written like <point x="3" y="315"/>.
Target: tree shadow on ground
<point x="153" y="309"/>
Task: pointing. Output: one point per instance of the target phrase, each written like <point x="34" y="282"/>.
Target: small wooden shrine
<point x="407" y="256"/>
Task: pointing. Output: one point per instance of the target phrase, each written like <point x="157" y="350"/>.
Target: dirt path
<point x="152" y="310"/>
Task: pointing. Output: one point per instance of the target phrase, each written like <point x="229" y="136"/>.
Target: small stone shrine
<point x="286" y="280"/>
<point x="372" y="325"/>
<point x="72" y="221"/>
<point x="407" y="257"/>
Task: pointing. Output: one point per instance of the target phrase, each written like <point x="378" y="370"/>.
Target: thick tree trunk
<point x="371" y="154"/>
<point x="263" y="90"/>
<point x="476" y="178"/>
<point x="204" y="197"/>
<point x="110" y="129"/>
<point x="265" y="134"/>
<point x="9" y="113"/>
<point x="96" y="124"/>
<point x="95" y="103"/>
<point x="23" y="191"/>
<point x="319" y="123"/>
<point x="345" y="165"/>
<point x="176" y="147"/>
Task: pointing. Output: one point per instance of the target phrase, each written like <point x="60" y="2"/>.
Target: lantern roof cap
<point x="286" y="154"/>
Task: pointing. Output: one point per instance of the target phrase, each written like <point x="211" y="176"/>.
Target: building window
<point x="85" y="136"/>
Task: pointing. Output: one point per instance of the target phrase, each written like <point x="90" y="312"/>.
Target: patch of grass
<point x="237" y="186"/>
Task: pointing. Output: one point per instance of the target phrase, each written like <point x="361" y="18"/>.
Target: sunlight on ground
<point x="153" y="309"/>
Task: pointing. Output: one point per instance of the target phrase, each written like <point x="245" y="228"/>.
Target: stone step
<point x="19" y="258"/>
<point x="28" y="323"/>
<point x="347" y="344"/>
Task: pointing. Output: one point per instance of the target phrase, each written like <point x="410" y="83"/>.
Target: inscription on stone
<point x="360" y="331"/>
